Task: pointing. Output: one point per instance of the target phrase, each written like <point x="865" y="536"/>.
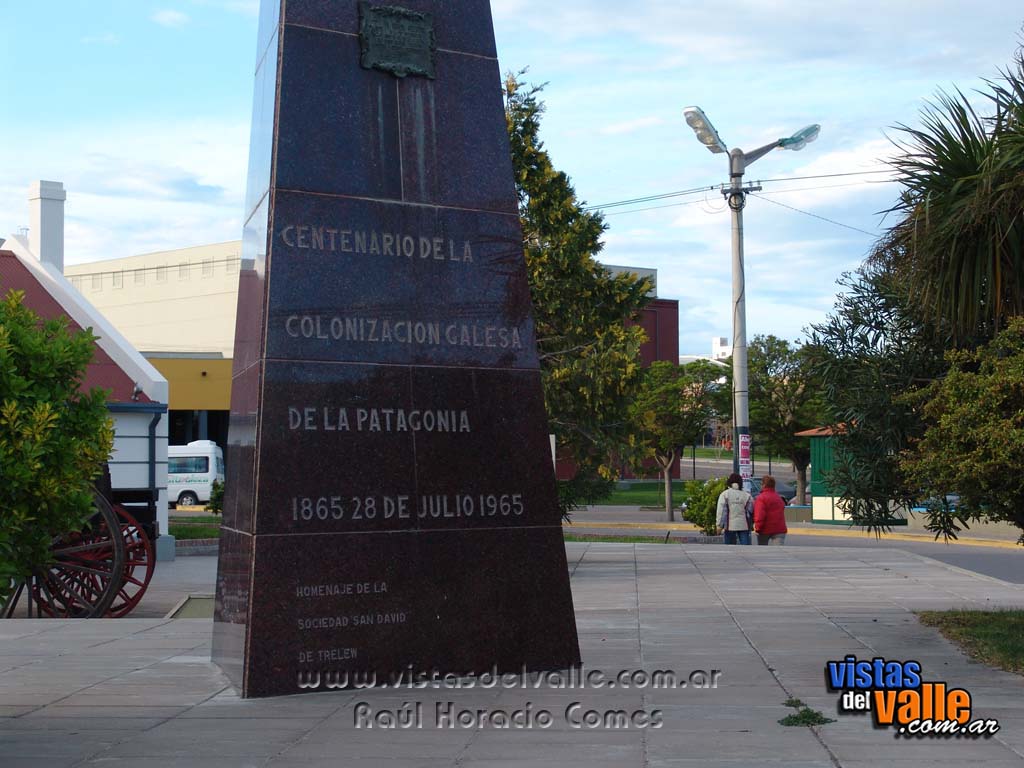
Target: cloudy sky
<point x="142" y="108"/>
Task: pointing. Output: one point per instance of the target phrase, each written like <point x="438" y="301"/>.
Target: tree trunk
<point x="801" y="483"/>
<point x="665" y="462"/>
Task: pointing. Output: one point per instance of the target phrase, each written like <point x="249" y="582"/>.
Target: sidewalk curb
<point x="187" y="547"/>
<point x="832" y="532"/>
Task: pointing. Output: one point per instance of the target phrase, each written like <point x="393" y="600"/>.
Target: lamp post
<point x="736" y="196"/>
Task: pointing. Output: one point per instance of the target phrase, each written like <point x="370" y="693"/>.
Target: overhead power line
<point x="824" y="186"/>
<point x="713" y="187"/>
<point x="773" y="192"/>
<point x="825" y="176"/>
<point x="814" y="215"/>
<point x="656" y="208"/>
<point x="652" y="198"/>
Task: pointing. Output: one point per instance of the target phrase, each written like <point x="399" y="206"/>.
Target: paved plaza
<point x="142" y="692"/>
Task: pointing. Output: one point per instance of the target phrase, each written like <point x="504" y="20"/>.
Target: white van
<point x="191" y="471"/>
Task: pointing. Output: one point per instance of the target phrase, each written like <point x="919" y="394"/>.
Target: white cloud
<point x="138" y="188"/>
<point x="631" y="126"/>
<point x="249" y="8"/>
<point x="167" y="17"/>
<point x="509" y="9"/>
<point x="868" y="155"/>
<point x="244" y="7"/>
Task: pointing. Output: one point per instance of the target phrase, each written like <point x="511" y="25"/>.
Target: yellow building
<point x="178" y="309"/>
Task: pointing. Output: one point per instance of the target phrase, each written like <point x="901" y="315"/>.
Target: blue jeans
<point x="737" y="537"/>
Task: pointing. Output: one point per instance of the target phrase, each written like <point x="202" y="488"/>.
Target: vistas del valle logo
<point x="897" y="697"/>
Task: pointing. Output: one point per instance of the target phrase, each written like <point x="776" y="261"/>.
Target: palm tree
<point x="959" y="246"/>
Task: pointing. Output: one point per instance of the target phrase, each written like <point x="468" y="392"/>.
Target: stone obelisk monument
<point x="391" y="501"/>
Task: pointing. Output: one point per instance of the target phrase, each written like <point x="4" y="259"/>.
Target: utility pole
<point x="736" y="196"/>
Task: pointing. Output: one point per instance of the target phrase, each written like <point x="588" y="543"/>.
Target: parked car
<point x="952" y="500"/>
<point x="785" y="490"/>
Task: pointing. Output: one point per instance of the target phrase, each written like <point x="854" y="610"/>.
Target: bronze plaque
<point x="397" y="40"/>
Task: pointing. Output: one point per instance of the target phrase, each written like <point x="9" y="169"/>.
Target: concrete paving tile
<point x="176" y="762"/>
<point x="368" y="762"/>
<point x="55" y="744"/>
<point x="559" y="754"/>
<point x="26" y="701"/>
<point x="966" y="751"/>
<point x="250" y="744"/>
<point x="16" y="710"/>
<point x="264" y="708"/>
<point x="681" y="613"/>
<point x="39" y="762"/>
<point x="895" y="761"/>
<point x="501" y="740"/>
<point x="797" y="744"/>
<point x="110" y="726"/>
<point x="389" y="745"/>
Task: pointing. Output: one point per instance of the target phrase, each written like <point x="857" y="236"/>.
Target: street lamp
<point x="736" y="195"/>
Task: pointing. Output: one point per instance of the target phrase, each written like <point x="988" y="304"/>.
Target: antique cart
<point x="102" y="570"/>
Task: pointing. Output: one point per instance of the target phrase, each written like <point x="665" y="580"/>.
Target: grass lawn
<point x="194" y="531"/>
<point x="204" y="519"/>
<point x="993" y="637"/>
<point x="646" y="494"/>
<point x="714" y="453"/>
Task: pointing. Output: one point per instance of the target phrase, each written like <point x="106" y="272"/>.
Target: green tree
<point x="54" y="437"/>
<point x="672" y="410"/>
<point x="870" y="352"/>
<point x="785" y="398"/>
<point x="974" y="442"/>
<point x="589" y="351"/>
<point x="959" y="244"/>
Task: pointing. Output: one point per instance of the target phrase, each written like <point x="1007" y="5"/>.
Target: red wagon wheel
<point x="87" y="569"/>
<point x="139" y="563"/>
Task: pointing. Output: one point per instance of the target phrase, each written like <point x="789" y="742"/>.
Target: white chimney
<point x="46" y="222"/>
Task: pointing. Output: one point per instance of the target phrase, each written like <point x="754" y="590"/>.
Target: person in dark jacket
<point x="769" y="514"/>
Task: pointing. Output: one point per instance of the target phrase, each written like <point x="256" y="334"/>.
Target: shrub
<point x="702" y="508"/>
<point x="216" y="502"/>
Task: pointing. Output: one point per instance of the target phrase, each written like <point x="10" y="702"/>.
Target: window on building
<point x="183" y="271"/>
<point x="231" y="265"/>
<point x="97" y="282"/>
<point x="208" y="268"/>
<point x="140" y="277"/>
<point x="118" y="279"/>
<point x="76" y="283"/>
<point x="161" y="274"/>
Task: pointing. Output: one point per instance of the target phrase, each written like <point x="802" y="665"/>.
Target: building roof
<point x="822" y="431"/>
<point x="102" y="371"/>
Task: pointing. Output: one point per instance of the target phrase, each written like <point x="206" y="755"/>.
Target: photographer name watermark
<point x="576" y="678"/>
<point x="448" y="716"/>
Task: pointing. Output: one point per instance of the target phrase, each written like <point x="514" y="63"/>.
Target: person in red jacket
<point x="769" y="514"/>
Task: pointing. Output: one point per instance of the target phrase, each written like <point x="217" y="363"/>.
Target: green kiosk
<point x="827" y="506"/>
